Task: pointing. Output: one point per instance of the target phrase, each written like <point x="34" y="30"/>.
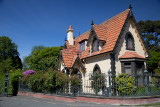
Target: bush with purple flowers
<point x="28" y="72"/>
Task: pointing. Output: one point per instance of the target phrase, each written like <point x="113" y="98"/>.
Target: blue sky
<point x="45" y="22"/>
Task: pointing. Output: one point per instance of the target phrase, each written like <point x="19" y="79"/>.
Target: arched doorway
<point x="76" y="72"/>
<point x="76" y="89"/>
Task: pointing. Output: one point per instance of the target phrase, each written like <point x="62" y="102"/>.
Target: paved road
<point x="25" y="101"/>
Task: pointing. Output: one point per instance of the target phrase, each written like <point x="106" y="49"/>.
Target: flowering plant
<point x="28" y="72"/>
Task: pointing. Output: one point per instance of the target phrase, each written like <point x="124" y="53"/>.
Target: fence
<point x="110" y="85"/>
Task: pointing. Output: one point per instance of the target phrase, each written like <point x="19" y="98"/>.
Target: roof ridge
<point x="114" y="17"/>
<point x="81" y="34"/>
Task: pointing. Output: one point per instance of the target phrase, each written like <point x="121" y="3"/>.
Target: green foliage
<point x="46" y="81"/>
<point x="125" y="84"/>
<point x="62" y="79"/>
<point x="75" y="81"/>
<point x="36" y="82"/>
<point x="157" y="71"/>
<point x="13" y="81"/>
<point x="41" y="59"/>
<point x="150" y="31"/>
<point x="97" y="82"/>
<point x="156" y="78"/>
<point x="9" y="56"/>
<point x="153" y="90"/>
<point x="152" y="63"/>
<point x="2" y="79"/>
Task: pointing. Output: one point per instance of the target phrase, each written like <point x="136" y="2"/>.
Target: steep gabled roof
<point x="107" y="31"/>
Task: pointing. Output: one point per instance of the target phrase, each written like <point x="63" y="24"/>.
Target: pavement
<point x="27" y="101"/>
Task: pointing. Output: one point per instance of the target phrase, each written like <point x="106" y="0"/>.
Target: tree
<point x="150" y="31"/>
<point x="26" y="59"/>
<point x="9" y="56"/>
<point x="42" y="58"/>
<point x="152" y="63"/>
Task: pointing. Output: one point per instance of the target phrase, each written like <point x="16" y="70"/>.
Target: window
<point x="82" y="46"/>
<point x="95" y="45"/>
<point x="127" y="68"/>
<point x="129" y="42"/>
<point x="97" y="69"/>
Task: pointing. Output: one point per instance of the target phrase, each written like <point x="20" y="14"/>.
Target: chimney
<point x="70" y="35"/>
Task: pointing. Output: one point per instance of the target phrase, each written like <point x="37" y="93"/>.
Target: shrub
<point x="2" y="79"/>
<point x="28" y="72"/>
<point x="97" y="82"/>
<point x="36" y="82"/>
<point x="75" y="83"/>
<point x="15" y="82"/>
<point x="46" y="81"/>
<point x="61" y="80"/>
<point x="50" y="81"/>
<point x="125" y="84"/>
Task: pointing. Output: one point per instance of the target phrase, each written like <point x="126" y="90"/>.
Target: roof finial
<point x="92" y="23"/>
<point x="130" y="6"/>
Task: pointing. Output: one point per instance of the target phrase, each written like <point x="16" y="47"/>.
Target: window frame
<point x="82" y="46"/>
<point x="96" y="44"/>
<point x="129" y="36"/>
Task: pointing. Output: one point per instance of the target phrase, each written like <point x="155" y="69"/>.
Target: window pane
<point x="84" y="45"/>
<point x="80" y="46"/>
<point x="127" y="68"/>
<point x="129" y="42"/>
<point x="94" y="45"/>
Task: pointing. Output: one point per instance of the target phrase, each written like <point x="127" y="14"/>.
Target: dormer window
<point x="94" y="45"/>
<point x="129" y="41"/>
<point x="82" y="46"/>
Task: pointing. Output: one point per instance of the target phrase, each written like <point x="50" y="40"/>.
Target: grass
<point x="151" y="104"/>
<point x="146" y="105"/>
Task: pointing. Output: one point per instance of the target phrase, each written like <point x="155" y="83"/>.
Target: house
<point x="114" y="45"/>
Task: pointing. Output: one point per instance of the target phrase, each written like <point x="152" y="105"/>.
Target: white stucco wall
<point x="121" y="49"/>
<point x="102" y="61"/>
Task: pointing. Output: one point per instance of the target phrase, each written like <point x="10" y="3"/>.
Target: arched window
<point x="129" y="41"/>
<point x="94" y="45"/>
<point x="97" y="69"/>
<point x="63" y="71"/>
<point x="76" y="72"/>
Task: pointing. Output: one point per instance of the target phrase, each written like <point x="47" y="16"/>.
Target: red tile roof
<point x="130" y="54"/>
<point x="68" y="56"/>
<point x="107" y="31"/>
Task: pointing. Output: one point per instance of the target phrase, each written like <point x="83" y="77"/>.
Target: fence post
<point x="6" y="84"/>
<point x="146" y="81"/>
<point x="109" y="77"/>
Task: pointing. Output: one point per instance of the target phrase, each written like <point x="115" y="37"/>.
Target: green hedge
<point x="13" y="82"/>
<point x="2" y="78"/>
<point x="49" y="82"/>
